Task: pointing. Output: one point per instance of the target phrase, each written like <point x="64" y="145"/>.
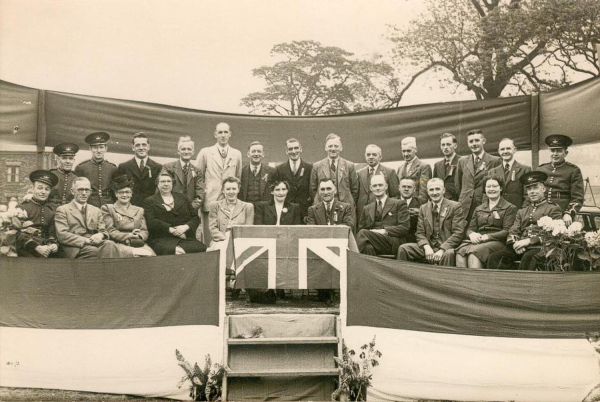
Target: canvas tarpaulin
<point x="18" y="109"/>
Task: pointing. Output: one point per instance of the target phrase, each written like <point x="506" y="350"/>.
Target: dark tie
<point x="436" y="226"/>
<point x="142" y="166"/>
<point x="186" y="167"/>
<point x="447" y="166"/>
<point x="84" y="213"/>
<point x="254" y="170"/>
<point x="379" y="207"/>
<point x="506" y="172"/>
<point x="332" y="166"/>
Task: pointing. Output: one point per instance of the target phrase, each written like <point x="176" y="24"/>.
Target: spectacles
<point x="83" y="190"/>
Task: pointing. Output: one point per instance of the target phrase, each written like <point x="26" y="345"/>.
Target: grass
<point x="35" y="394"/>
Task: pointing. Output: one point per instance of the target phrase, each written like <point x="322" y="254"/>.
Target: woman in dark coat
<point x="278" y="211"/>
<point x="171" y="219"/>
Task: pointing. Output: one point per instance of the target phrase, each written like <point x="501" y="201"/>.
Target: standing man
<point x="565" y="182"/>
<point x="373" y="157"/>
<point x="215" y="164"/>
<point x="471" y="173"/>
<point x="256" y="176"/>
<point x="297" y="173"/>
<point x="98" y="170"/>
<point x="142" y="170"/>
<point x="187" y="180"/>
<point x="61" y="193"/>
<point x="384" y="223"/>
<point x="510" y="171"/>
<point x="407" y="192"/>
<point x="341" y="171"/>
<point x="439" y="230"/>
<point x="414" y="169"/>
<point x="446" y="168"/>
<point x="330" y="211"/>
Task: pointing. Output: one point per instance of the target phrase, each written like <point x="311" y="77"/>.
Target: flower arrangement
<point x="356" y="375"/>
<point x="206" y="384"/>
<point x="10" y="224"/>
<point x="591" y="252"/>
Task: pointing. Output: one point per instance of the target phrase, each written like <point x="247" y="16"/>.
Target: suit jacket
<point x="452" y="224"/>
<point x="364" y="187"/>
<point x="414" y="219"/>
<point x="299" y="192"/>
<point x="219" y="217"/>
<point x="513" y="191"/>
<point x="469" y="184"/>
<point x="266" y="214"/>
<point x="144" y="183"/>
<point x="120" y="221"/>
<point x="395" y="218"/>
<point x="193" y="188"/>
<point x="347" y="179"/>
<point x="159" y="220"/>
<point x="72" y="229"/>
<point x="210" y="165"/>
<point x="341" y="214"/>
<point x="420" y="173"/>
<point x="440" y="172"/>
<point x="265" y="173"/>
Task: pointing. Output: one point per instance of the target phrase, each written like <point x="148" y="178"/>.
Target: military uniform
<point x="41" y="233"/>
<point x="61" y="194"/>
<point x="100" y="176"/>
<point x="565" y="186"/>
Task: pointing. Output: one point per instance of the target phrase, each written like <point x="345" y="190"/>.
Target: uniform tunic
<point x="41" y="233"/>
<point x="99" y="175"/>
<point x="565" y="186"/>
<point x="61" y="193"/>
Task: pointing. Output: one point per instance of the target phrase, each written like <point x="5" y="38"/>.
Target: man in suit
<point x="384" y="223"/>
<point x="439" y="229"/>
<point x="297" y="173"/>
<point x="341" y="171"/>
<point x="256" y="176"/>
<point x="413" y="168"/>
<point x="472" y="171"/>
<point x="510" y="171"/>
<point x="446" y="168"/>
<point x="61" y="193"/>
<point x="215" y="164"/>
<point x="142" y="170"/>
<point x="187" y="180"/>
<point x="98" y="170"/>
<point x="373" y="157"/>
<point x="80" y="229"/>
<point x="330" y="211"/>
<point x="407" y="193"/>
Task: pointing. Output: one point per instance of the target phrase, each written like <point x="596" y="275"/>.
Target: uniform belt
<point x="558" y="194"/>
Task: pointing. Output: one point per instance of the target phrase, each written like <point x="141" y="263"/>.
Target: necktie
<point x="477" y="160"/>
<point x="254" y="170"/>
<point x="84" y="213"/>
<point x="223" y="153"/>
<point x="506" y="170"/>
<point x="186" y="168"/>
<point x="142" y="166"/>
<point x="294" y="167"/>
<point x="332" y="166"/>
<point x="435" y="211"/>
<point x="379" y="207"/>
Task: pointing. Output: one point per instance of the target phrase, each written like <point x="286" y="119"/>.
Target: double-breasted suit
<point x="513" y="190"/>
<point x="265" y="213"/>
<point x="394" y="219"/>
<point x="144" y="182"/>
<point x="420" y="173"/>
<point x="345" y="176"/>
<point x="341" y="214"/>
<point x="447" y="173"/>
<point x="265" y="176"/>
<point x="192" y="185"/>
<point x="299" y="191"/>
<point x="365" y="196"/>
<point x="469" y="180"/>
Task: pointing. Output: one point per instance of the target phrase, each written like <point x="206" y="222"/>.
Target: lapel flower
<point x="284" y="210"/>
<point x="301" y="172"/>
<point x="444" y="212"/>
<point x="264" y="178"/>
<point x="335" y="216"/>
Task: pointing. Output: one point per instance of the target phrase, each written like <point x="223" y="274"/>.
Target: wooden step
<point x="285" y="373"/>
<point x="284" y="340"/>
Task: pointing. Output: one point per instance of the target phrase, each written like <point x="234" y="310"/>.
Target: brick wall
<point x="15" y="168"/>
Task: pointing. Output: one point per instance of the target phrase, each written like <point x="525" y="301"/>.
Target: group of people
<point x="471" y="211"/>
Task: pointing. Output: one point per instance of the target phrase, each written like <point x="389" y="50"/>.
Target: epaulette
<point x="85" y="161"/>
<point x="572" y="164"/>
<point x="110" y="163"/>
<point x="544" y="164"/>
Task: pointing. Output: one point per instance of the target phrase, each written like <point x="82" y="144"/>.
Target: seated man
<point x="37" y="239"/>
<point x="330" y="211"/>
<point x="80" y="228"/>
<point x="407" y="192"/>
<point x="384" y="223"/>
<point x="521" y="243"/>
<point x="439" y="229"/>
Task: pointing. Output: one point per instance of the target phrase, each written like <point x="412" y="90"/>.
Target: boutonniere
<point x="513" y="176"/>
<point x="284" y="210"/>
<point x="335" y="216"/>
<point x="482" y="167"/>
<point x="301" y="172"/>
<point x="444" y="212"/>
<point x="193" y="173"/>
<point x="390" y="213"/>
<point x="264" y="178"/>
<point x="149" y="171"/>
<point x="119" y="217"/>
<point x="451" y="170"/>
<point x="496" y="215"/>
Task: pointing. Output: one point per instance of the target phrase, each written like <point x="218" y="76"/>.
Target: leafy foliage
<point x="356" y="374"/>
<point x="206" y="384"/>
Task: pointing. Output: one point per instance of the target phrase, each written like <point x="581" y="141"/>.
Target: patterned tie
<point x="142" y="166"/>
<point x="332" y="166"/>
<point x="447" y="166"/>
<point x="435" y="212"/>
<point x="254" y="170"/>
<point x="186" y="168"/>
<point x="506" y="172"/>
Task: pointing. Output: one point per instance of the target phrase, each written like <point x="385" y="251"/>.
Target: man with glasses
<point x="142" y="170"/>
<point x="80" y="229"/>
<point x="98" y="170"/>
<point x="215" y="164"/>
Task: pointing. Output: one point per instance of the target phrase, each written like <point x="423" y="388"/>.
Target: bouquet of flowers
<point x="205" y="384"/>
<point x="356" y="375"/>
<point x="10" y="224"/>
<point x="560" y="244"/>
<point x="591" y="252"/>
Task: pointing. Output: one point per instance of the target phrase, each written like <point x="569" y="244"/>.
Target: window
<point x="13" y="174"/>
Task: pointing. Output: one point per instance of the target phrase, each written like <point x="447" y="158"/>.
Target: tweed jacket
<point x="395" y="217"/>
<point x="265" y="173"/>
<point x="452" y="224"/>
<point x="347" y="179"/>
<point x="121" y="221"/>
<point x="211" y="166"/>
<point x="440" y="172"/>
<point x="220" y="218"/>
<point x="194" y="186"/>
<point x="266" y="214"/>
<point x="299" y="192"/>
<point x="420" y="173"/>
<point x="72" y="229"/>
<point x="144" y="183"/>
<point x="341" y="214"/>
<point x="513" y="191"/>
<point x="364" y="187"/>
<point x="469" y="183"/>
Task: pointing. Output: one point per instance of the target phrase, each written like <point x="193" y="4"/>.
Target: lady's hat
<point x="44" y="176"/>
<point x="120" y="182"/>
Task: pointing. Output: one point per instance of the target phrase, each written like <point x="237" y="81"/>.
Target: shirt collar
<point x="449" y="159"/>
<point x="408" y="200"/>
<point x="79" y="205"/>
<point x="383" y="199"/>
<point x="182" y="163"/>
<point x="374" y="167"/>
<point x="510" y="164"/>
<point x="138" y="160"/>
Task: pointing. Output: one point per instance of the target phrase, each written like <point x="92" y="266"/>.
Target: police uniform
<point x="525" y="223"/>
<point x="41" y="215"/>
<point x="565" y="181"/>
<point x="98" y="173"/>
<point x="61" y="193"/>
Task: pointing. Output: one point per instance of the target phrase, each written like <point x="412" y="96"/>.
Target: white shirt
<point x="257" y="167"/>
<point x="510" y="164"/>
<point x="294" y="165"/>
<point x="138" y="161"/>
<point x="382" y="199"/>
<point x="408" y="200"/>
<point x="80" y="206"/>
<point x="279" y="209"/>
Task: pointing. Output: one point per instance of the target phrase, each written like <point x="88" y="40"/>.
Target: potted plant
<point x="355" y="373"/>
<point x="206" y="384"/>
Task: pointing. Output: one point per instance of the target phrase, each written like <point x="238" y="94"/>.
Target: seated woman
<point x="125" y="222"/>
<point x="171" y="219"/>
<point x="278" y="211"/>
<point x="37" y="237"/>
<point x="488" y="228"/>
<point x="228" y="211"/>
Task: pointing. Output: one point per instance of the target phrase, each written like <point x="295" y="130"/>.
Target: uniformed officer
<point x="37" y="239"/>
<point x="98" y="170"/>
<point x="61" y="194"/>
<point x="565" y="182"/>
<point x="522" y="242"/>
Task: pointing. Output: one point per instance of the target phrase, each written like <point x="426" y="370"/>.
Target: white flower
<point x="545" y="222"/>
<point x="284" y="210"/>
<point x="574" y="228"/>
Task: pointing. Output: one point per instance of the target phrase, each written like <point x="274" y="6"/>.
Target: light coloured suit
<point x="193" y="188"/>
<point x="469" y="183"/>
<point x="72" y="231"/>
<point x="121" y="221"/>
<point x="347" y="180"/>
<point x="420" y="173"/>
<point x="365" y="197"/>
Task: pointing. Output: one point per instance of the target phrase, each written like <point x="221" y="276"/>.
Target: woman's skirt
<point x="482" y="250"/>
